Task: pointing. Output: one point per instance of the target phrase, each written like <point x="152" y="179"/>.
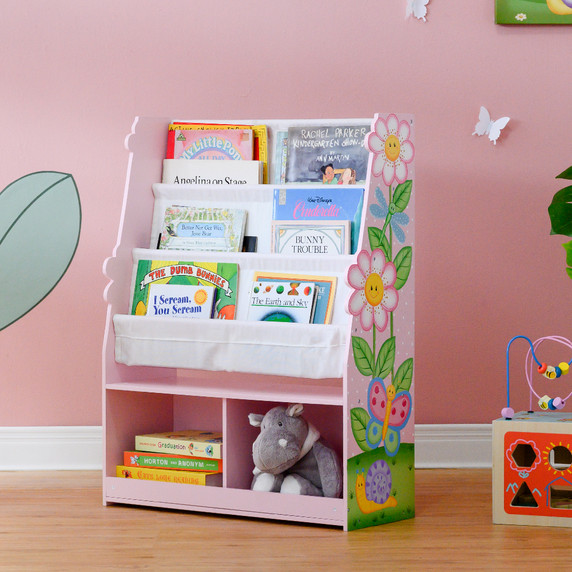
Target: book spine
<point x="166" y="476"/>
<point x="150" y="444"/>
<point x="174" y="462"/>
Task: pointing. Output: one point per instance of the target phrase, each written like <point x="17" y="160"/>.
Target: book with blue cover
<point x="313" y="204"/>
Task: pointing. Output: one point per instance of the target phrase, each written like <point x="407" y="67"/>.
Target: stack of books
<point x="185" y="457"/>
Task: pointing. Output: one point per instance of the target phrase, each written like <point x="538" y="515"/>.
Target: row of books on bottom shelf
<point x="185" y="457"/>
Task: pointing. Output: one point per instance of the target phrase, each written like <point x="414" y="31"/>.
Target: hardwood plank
<point x="56" y="521"/>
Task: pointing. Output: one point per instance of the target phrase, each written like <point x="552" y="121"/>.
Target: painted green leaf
<point x="385" y="358"/>
<point x="40" y="221"/>
<point x="375" y="237"/>
<point x="402" y="263"/>
<point x="359" y="418"/>
<point x="363" y="356"/>
<point x="378" y="240"/>
<point x="404" y="376"/>
<point x="560" y="212"/>
<point x="402" y="195"/>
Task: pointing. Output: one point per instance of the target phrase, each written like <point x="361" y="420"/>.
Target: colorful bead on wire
<point x="546" y="403"/>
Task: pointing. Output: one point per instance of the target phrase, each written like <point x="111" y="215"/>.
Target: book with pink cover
<point x="225" y="144"/>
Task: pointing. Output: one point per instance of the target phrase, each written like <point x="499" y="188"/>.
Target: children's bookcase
<point x="353" y="376"/>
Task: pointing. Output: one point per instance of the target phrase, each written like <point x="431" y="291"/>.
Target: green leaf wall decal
<point x="40" y="221"/>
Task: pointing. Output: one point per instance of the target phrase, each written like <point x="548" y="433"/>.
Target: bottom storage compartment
<point x="133" y="413"/>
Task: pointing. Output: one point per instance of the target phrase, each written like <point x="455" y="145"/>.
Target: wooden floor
<point x="56" y="521"/>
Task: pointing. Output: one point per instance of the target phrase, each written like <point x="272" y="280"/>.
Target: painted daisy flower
<point x="374" y="294"/>
<point x="392" y="149"/>
<point x="520" y="17"/>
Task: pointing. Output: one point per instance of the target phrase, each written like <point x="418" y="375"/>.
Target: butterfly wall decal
<point x="389" y="410"/>
<point x="417" y="9"/>
<point x="485" y="126"/>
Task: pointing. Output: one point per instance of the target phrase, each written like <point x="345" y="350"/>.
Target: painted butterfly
<point x="389" y="411"/>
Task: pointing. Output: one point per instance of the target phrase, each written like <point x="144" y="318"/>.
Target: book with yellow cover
<point x="190" y="443"/>
<point x="259" y="132"/>
<point x="170" y="476"/>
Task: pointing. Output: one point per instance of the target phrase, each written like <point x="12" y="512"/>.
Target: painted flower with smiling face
<point x="374" y="295"/>
<point x="392" y="149"/>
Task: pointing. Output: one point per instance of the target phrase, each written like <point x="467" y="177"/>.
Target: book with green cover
<point x="166" y="461"/>
<point x="222" y="275"/>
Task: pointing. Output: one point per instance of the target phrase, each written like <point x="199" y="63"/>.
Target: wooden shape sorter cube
<point x="532" y="469"/>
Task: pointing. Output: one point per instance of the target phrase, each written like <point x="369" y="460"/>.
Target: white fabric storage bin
<point x="313" y="351"/>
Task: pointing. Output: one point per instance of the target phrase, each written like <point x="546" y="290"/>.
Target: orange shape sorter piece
<point x="532" y="469"/>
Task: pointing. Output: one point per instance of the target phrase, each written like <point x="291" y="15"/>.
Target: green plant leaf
<point x="402" y="195"/>
<point x="385" y="358"/>
<point x="363" y="356"/>
<point x="560" y="212"/>
<point x="568" y="248"/>
<point x="402" y="263"/>
<point x="404" y="376"/>
<point x="566" y="174"/>
<point x="359" y="418"/>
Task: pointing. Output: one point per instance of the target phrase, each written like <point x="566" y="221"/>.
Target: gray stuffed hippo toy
<point x="290" y="458"/>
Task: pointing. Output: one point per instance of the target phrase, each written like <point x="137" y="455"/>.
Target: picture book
<point x="203" y="228"/>
<point x="282" y="301"/>
<point x="325" y="291"/>
<point x="222" y="275"/>
<point x="259" y="132"/>
<point x="168" y="476"/>
<point x="199" y="172"/>
<point x="175" y="462"/>
<point x="181" y="301"/>
<point x="318" y="238"/>
<point x="219" y="144"/>
<point x="332" y="154"/>
<point x="190" y="443"/>
<point x="310" y="204"/>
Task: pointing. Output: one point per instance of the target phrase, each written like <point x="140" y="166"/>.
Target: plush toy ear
<point x="255" y="419"/>
<point x="295" y="410"/>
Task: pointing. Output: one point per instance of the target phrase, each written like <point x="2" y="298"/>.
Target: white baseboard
<point x="80" y="448"/>
<point x="453" y="446"/>
<point x="50" y="448"/>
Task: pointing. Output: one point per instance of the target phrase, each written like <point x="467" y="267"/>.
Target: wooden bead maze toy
<point x="532" y="450"/>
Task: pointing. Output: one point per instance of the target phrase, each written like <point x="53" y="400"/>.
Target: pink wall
<point x="74" y="74"/>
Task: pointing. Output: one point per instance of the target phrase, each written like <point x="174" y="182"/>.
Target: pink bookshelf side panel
<point x="379" y="377"/>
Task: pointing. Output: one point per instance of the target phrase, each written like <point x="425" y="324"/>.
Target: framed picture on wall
<point x="533" y="11"/>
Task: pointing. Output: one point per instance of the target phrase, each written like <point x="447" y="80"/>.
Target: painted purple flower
<point x="392" y="149"/>
<point x="374" y="295"/>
